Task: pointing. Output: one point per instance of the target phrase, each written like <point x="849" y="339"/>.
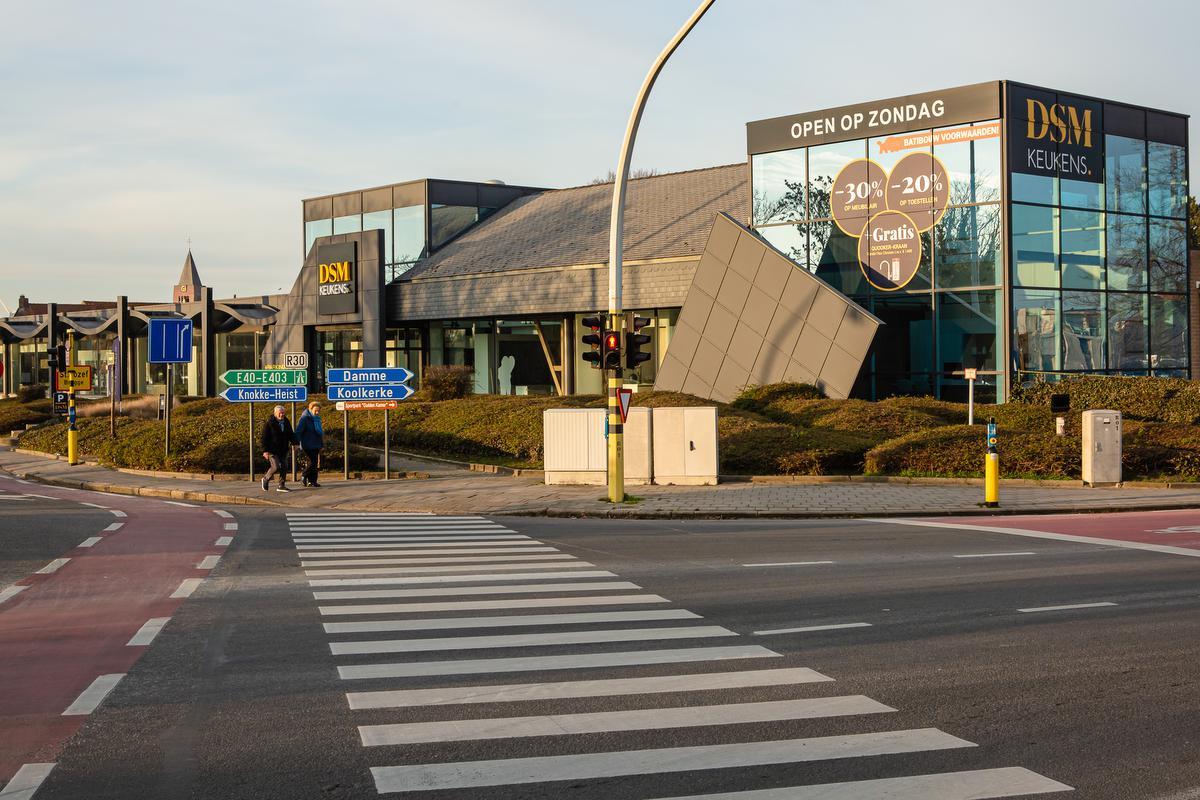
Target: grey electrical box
<point x="1101" y="447"/>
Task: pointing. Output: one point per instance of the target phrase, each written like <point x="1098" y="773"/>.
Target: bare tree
<point x="633" y="173"/>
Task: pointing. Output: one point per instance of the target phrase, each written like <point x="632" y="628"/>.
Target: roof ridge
<point x="651" y="177"/>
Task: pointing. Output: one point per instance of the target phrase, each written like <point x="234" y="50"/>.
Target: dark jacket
<point x="277" y="436"/>
<point x="309" y="431"/>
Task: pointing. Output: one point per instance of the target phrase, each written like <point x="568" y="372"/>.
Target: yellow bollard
<point x="991" y="469"/>
<point x="72" y="446"/>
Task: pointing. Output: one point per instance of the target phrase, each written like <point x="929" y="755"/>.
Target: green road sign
<point x="265" y="377"/>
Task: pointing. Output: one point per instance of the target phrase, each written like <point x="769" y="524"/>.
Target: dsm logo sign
<point x="337" y="284"/>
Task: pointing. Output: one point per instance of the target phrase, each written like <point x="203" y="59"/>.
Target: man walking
<point x="312" y="439"/>
<point x="277" y="440"/>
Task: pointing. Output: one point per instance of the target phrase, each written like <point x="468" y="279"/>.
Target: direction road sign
<point x="367" y="405"/>
<point x="78" y="377"/>
<point x="295" y="360"/>
<point x="265" y="377"/>
<point x="266" y="394"/>
<point x="368" y="375"/>
<point x="375" y="391"/>
<point x="170" y="341"/>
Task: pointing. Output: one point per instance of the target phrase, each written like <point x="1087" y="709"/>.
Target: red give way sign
<point x="624" y="396"/>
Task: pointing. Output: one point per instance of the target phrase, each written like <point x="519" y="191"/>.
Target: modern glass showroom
<point x="1087" y="262"/>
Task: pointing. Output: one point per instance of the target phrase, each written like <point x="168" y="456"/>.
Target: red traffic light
<point x="612" y="341"/>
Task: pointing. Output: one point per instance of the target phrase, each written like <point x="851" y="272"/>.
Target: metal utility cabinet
<point x="576" y="452"/>
<point x="1101" y="447"/>
<point x="685" y="446"/>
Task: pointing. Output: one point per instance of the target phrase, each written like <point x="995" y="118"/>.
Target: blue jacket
<point x="309" y="431"/>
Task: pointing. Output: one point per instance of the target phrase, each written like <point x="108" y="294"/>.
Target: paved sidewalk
<point x="452" y="490"/>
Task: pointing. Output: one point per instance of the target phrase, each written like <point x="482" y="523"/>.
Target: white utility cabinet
<point x="1101" y="447"/>
<point x="685" y="446"/>
<point x="576" y="451"/>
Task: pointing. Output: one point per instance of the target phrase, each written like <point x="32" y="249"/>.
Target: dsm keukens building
<point x="1023" y="232"/>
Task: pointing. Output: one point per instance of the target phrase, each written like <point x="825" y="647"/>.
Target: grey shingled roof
<point x="665" y="215"/>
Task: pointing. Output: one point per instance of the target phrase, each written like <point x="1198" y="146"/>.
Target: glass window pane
<point x="446" y="222"/>
<point x="907" y="347"/>
<point x="791" y="240"/>
<point x="1168" y="180"/>
<point x="967" y="329"/>
<point x="1034" y="189"/>
<point x="1036" y="322"/>
<point x="824" y="163"/>
<point x="1168" y="331"/>
<point x="347" y="224"/>
<point x="778" y="186"/>
<point x="1126" y="244"/>
<point x="381" y="220"/>
<point x="971" y="154"/>
<point x="1168" y="256"/>
<point x="1083" y="330"/>
<point x="1034" y="245"/>
<point x="315" y="228"/>
<point x="967" y="247"/>
<point x="1082" y="249"/>
<point x="408" y="243"/>
<point x="887" y="151"/>
<point x="1125" y="174"/>
<point x="1127" y="331"/>
<point x="1082" y="194"/>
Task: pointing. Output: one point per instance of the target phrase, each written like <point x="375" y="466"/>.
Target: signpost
<point x="75" y="378"/>
<point x="265" y="377"/>
<point x="624" y="396"/>
<point x="170" y="341"/>
<point x="369" y="391"/>
<point x="295" y="360"/>
<point x="970" y="373"/>
<point x="266" y="394"/>
<point x="366" y="405"/>
<point x="363" y="389"/>
<point x="267" y="386"/>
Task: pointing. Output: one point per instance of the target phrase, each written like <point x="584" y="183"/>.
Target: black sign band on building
<point x="337" y="282"/>
<point x="974" y="103"/>
<point x="1056" y="135"/>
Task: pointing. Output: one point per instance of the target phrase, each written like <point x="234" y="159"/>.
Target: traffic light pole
<point x="72" y="429"/>
<point x="616" y="452"/>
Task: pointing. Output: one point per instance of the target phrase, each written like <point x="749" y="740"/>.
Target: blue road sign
<point x="170" y="341"/>
<point x="370" y="391"/>
<point x="266" y="394"/>
<point x="367" y="375"/>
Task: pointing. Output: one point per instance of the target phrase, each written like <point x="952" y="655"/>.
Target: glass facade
<point x="946" y="318"/>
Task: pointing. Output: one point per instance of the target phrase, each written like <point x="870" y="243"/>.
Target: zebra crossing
<point x="417" y="606"/>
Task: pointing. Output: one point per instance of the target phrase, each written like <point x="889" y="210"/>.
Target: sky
<point x="129" y="128"/>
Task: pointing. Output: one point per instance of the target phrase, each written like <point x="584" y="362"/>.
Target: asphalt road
<point x="918" y="661"/>
<point x="35" y="530"/>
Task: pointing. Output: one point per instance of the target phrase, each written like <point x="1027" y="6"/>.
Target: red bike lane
<point x="67" y="629"/>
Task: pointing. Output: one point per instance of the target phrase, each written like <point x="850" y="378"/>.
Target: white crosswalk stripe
<point x="582" y="633"/>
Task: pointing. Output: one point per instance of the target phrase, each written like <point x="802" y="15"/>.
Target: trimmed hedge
<point x="15" y="415"/>
<point x="1153" y="399"/>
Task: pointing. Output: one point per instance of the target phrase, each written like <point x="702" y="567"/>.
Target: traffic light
<point x="593" y="340"/>
<point x="57" y="356"/>
<point x="612" y="349"/>
<point x="635" y="341"/>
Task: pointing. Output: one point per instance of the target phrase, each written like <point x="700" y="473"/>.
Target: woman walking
<point x="312" y="440"/>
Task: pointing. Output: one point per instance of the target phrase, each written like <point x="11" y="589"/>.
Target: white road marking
<point x="490" y="605"/>
<point x="408" y="525"/>
<point x="26" y="782"/>
<point x="997" y="555"/>
<point x="531" y="588"/>
<point x="186" y="588"/>
<point x="789" y="564"/>
<point x="394" y="554"/>
<point x="1059" y="537"/>
<point x="42" y="496"/>
<point x="397" y="539"/>
<point x="117" y="513"/>
<point x="814" y="628"/>
<point x="94" y="695"/>
<point x="417" y="579"/>
<point x="114" y="526"/>
<point x="379" y="626"/>
<point x="613" y="687"/>
<point x="231" y="526"/>
<point x="53" y="566"/>
<point x="147" y="632"/>
<point x="15" y="497"/>
<point x="178" y="503"/>
<point x="400" y="548"/>
<point x="223" y="541"/>
<point x="208" y="562"/>
<point x="90" y="541"/>
<point x="449" y="569"/>
<point x="526" y="640"/>
<point x="93" y="505"/>
<point x="974" y="785"/>
<point x="220" y="512"/>
<point x="1064" y="608"/>
<point x="415" y="669"/>
<point x="384" y="562"/>
<point x="643" y="719"/>
<point x="10" y="592"/>
<point x="583" y="766"/>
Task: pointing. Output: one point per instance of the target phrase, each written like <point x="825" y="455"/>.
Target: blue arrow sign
<point x="170" y="341"/>
<point x="266" y="394"/>
<point x="370" y="391"/>
<point x="367" y="375"/>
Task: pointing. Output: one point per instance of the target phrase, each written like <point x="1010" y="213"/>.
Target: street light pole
<point x="616" y="448"/>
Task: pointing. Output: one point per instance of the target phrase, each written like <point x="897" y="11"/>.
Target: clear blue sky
<point x="129" y="127"/>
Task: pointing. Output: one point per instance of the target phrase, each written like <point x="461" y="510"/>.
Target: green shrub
<point x="959" y="450"/>
<point x="450" y="382"/>
<point x="15" y="414"/>
<point x="27" y="394"/>
<point x="1153" y="399"/>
